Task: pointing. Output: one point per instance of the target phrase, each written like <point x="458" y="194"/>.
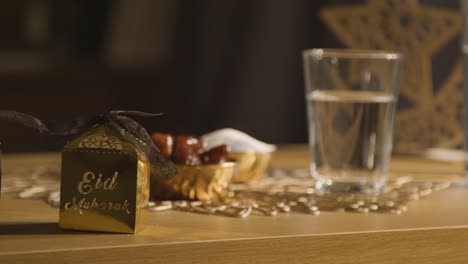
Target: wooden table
<point x="434" y="230"/>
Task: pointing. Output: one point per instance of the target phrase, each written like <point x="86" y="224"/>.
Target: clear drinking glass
<point x="351" y="97"/>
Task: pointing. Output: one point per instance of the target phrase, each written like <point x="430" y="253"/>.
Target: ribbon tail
<point x="24" y="119"/>
<point x="133" y="113"/>
<point x="74" y="127"/>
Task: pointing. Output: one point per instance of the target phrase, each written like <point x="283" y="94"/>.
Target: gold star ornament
<point x="432" y="116"/>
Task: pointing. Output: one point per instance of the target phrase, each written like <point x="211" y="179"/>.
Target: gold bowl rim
<point x="227" y="164"/>
<point x="254" y="152"/>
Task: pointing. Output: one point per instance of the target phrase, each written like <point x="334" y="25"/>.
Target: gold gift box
<point x="104" y="183"/>
<point x="207" y="183"/>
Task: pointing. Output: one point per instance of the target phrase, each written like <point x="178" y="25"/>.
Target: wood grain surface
<point x="434" y="230"/>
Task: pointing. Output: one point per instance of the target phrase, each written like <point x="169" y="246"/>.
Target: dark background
<point x="206" y="64"/>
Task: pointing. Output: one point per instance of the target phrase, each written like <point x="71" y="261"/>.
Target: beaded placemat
<point x="291" y="191"/>
<point x="281" y="191"/>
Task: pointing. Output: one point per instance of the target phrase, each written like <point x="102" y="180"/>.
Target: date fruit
<point x="215" y="155"/>
<point x="192" y="142"/>
<point x="164" y="142"/>
<point x="186" y="150"/>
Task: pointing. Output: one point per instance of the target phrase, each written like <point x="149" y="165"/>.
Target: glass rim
<point x="352" y="54"/>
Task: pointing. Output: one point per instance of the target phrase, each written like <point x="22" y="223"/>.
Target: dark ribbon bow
<point x="120" y="121"/>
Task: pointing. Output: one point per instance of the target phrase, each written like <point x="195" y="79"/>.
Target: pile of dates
<point x="189" y="150"/>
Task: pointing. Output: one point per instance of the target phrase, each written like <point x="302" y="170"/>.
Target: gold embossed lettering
<point x="68" y="205"/>
<point x="125" y="207"/>
<point x="79" y="205"/>
<point x="110" y="184"/>
<point x="90" y="182"/>
<point x="84" y="187"/>
<point x="98" y="181"/>
<point x="95" y="204"/>
<point x="86" y="204"/>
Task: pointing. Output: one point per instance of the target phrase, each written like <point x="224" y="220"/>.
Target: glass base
<point x="462" y="183"/>
<point x="348" y="187"/>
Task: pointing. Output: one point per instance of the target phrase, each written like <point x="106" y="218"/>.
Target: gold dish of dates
<point x="252" y="165"/>
<point x="252" y="155"/>
<point x="204" y="174"/>
<point x="204" y="182"/>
